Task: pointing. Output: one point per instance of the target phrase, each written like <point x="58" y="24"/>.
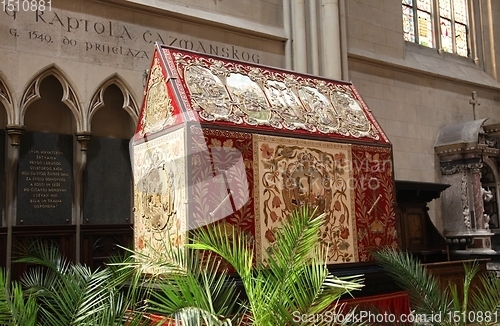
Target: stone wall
<point x="91" y="41"/>
<point x="414" y="91"/>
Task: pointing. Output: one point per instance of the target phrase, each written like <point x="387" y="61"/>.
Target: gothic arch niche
<point x="3" y="116"/>
<point x="48" y="113"/>
<point x="489" y="182"/>
<point x="6" y="105"/>
<point x="112" y="119"/>
<point x="3" y="124"/>
<point x="45" y="169"/>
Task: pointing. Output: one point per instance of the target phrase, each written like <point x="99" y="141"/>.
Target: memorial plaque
<point x="107" y="182"/>
<point x="44" y="191"/>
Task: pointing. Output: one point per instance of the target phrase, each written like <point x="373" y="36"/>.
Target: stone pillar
<point x="476" y="198"/>
<point x="464" y="208"/>
<point x="456" y="204"/>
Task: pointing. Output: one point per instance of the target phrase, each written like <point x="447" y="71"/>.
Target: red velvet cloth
<point x="397" y="304"/>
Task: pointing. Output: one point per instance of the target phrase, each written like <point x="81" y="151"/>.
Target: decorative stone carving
<point x="465" y="202"/>
<point x="462" y="149"/>
<point x="247" y="95"/>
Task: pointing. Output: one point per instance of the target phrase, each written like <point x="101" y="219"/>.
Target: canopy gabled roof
<point x="186" y="86"/>
<point x="460" y="133"/>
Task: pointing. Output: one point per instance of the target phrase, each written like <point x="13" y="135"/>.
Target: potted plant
<point x="480" y="305"/>
<point x="293" y="281"/>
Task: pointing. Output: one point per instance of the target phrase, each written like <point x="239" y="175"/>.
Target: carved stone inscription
<point x="98" y="40"/>
<point x="44" y="179"/>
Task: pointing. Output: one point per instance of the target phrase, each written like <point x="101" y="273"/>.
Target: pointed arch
<point x="70" y="98"/>
<point x="496" y="177"/>
<point x="7" y="99"/>
<point x="492" y="166"/>
<point x="129" y="102"/>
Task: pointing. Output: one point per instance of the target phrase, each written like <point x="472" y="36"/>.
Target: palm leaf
<point x="294" y="276"/>
<point x="201" y="293"/>
<point x="470" y="272"/>
<point x="16" y="309"/>
<point x="229" y="244"/>
<point x="72" y="294"/>
<point x="423" y="289"/>
<point x="486" y="298"/>
<point x="44" y="254"/>
<point x="77" y="297"/>
<point x="297" y="265"/>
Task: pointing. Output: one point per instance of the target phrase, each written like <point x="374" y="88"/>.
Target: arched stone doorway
<point x="70" y="181"/>
<point x="6" y="105"/>
<point x="107" y="205"/>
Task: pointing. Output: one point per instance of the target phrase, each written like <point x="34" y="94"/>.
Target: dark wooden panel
<point x="3" y="246"/>
<point x="107" y="202"/>
<point x="100" y="242"/>
<point x="375" y="279"/>
<point x="453" y="272"/>
<point x="63" y="237"/>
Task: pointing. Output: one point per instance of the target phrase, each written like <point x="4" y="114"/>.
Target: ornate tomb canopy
<point x="226" y="93"/>
<point x="463" y="141"/>
<point x="231" y="142"/>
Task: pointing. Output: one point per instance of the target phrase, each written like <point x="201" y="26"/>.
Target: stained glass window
<point x="408" y="26"/>
<point x="424" y="5"/>
<point x="452" y="34"/>
<point x="425" y="29"/>
<point x="446" y="35"/>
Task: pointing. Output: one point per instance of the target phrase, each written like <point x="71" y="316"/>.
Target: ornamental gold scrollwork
<point x="228" y="91"/>
<point x="156" y="200"/>
<point x="159" y="111"/>
<point x="292" y="176"/>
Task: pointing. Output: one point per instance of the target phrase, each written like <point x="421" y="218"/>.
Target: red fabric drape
<point x="397" y="304"/>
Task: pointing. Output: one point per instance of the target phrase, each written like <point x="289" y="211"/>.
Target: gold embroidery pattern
<point x="226" y="91"/>
<point x="159" y="193"/>
<point x="293" y="173"/>
<point x="159" y="112"/>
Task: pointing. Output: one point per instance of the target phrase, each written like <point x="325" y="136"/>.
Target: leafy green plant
<point x="293" y="280"/>
<point x="57" y="292"/>
<point x="481" y="303"/>
<point x="191" y="284"/>
<point x="16" y="309"/>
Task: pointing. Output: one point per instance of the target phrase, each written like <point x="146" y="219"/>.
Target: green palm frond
<point x="294" y="276"/>
<point x="423" y="289"/>
<point x="162" y="260"/>
<point x="295" y="241"/>
<point x="201" y="292"/>
<point x="487" y="297"/>
<point x="72" y="294"/>
<point x="228" y="243"/>
<point x="76" y="298"/>
<point x="298" y="264"/>
<point x="471" y="271"/>
<point x="129" y="280"/>
<point x="43" y="254"/>
<point x="16" y="309"/>
<point x="426" y="296"/>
